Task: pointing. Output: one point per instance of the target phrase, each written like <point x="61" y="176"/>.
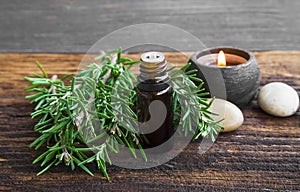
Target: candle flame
<point x="221" y="59"/>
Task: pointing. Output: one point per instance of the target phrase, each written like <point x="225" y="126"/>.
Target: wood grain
<point x="74" y="26"/>
<point x="262" y="155"/>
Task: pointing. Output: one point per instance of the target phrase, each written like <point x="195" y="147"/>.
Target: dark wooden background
<point x="74" y="26"/>
<point x="263" y="155"/>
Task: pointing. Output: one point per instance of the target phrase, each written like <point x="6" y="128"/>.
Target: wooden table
<point x="262" y="155"/>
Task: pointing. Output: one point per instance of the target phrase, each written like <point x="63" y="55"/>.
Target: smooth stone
<point x="278" y="99"/>
<point x="232" y="115"/>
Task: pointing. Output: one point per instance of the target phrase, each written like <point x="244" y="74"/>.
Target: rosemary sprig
<point x="195" y="112"/>
<point x="86" y="112"/>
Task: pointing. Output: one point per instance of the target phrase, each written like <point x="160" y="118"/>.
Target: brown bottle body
<point x="144" y="99"/>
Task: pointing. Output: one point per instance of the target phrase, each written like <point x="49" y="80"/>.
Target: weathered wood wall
<point x="74" y="26"/>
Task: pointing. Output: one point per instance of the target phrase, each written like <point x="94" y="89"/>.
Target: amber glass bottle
<point x="154" y="86"/>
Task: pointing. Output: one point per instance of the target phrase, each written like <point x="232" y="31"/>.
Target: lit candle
<point x="221" y="59"/>
<point x="228" y="73"/>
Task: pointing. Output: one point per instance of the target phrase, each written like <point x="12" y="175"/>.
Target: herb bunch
<point x="80" y="123"/>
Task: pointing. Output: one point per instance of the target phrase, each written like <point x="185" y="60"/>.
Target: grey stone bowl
<point x="237" y="84"/>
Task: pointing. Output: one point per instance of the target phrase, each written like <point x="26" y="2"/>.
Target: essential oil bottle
<point x="154" y="86"/>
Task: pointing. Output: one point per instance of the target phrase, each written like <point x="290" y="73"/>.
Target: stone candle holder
<point x="238" y="82"/>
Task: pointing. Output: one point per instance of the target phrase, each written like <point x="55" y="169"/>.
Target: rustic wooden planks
<point x="263" y="154"/>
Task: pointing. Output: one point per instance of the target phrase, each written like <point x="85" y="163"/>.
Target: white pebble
<point x="232" y="115"/>
<point x="278" y="99"/>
